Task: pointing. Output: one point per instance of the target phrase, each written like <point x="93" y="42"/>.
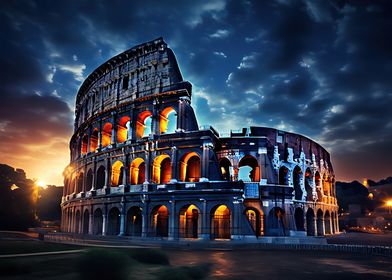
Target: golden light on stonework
<point x="371" y="196"/>
<point x="388" y="203"/>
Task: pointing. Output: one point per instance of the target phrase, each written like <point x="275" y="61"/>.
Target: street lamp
<point x="389" y="205"/>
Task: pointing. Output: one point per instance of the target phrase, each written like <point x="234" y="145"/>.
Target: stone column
<point x="148" y="164"/>
<point x="315" y="226"/>
<point x="205" y="161"/>
<point x="236" y="219"/>
<point x="173" y="221"/>
<point x="145" y="223"/>
<point x="174" y="178"/>
<point x="155" y="118"/>
<point x="104" y="221"/>
<point x="114" y="129"/>
<point x="94" y="173"/>
<point x="91" y="222"/>
<point x="205" y="221"/>
<point x="100" y="135"/>
<point x="88" y="140"/>
<point x="122" y="217"/>
<point x="107" y="174"/>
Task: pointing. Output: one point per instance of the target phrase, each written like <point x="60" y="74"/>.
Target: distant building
<point x="141" y="166"/>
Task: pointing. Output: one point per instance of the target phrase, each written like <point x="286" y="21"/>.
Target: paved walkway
<point x="41" y="254"/>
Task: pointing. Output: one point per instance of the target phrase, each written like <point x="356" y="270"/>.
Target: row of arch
<point x="158" y="224"/>
<point x="122" y="130"/>
<point x="189" y="171"/>
<point x="189" y="222"/>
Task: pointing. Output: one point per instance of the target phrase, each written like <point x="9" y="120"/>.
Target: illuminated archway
<point x="168" y="120"/>
<point x="252" y="174"/>
<point x="225" y="166"/>
<point x="161" y="169"/>
<point x="100" y="183"/>
<point x="117" y="173"/>
<point x="317" y="179"/>
<point x="220" y="222"/>
<point x="255" y="219"/>
<point x="94" y="140"/>
<point x="283" y="176"/>
<point x="98" y="222"/>
<point x="84" y="144"/>
<point x="106" y="134"/>
<point x="143" y="124"/>
<point x="190" y="167"/>
<point x="325" y="185"/>
<point x="134" y="221"/>
<point x="114" y="221"/>
<point x="189" y="221"/>
<point x="297" y="173"/>
<point x="138" y="171"/>
<point x="160" y="221"/>
<point x="122" y="129"/>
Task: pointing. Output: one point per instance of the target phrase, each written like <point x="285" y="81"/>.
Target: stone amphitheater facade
<point x="142" y="167"/>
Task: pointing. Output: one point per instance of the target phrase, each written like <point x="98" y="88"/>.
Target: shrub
<point x="103" y="264"/>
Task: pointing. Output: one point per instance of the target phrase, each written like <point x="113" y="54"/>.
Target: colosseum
<point x="142" y="168"/>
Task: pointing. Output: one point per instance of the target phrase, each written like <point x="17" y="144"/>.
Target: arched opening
<point x="299" y="219"/>
<point x="190" y="167"/>
<point x="310" y="228"/>
<point x="143" y="124"/>
<point x="333" y="230"/>
<point x="308" y="184"/>
<point x="117" y="173"/>
<point x="161" y="169"/>
<point x="106" y="134"/>
<point x="189" y="222"/>
<point x="98" y="222"/>
<point x="94" y="140"/>
<point x="100" y="177"/>
<point x="86" y="221"/>
<point x="320" y="223"/>
<point x="122" y="129"/>
<point x="168" y="120"/>
<point x="317" y="180"/>
<point x="249" y="170"/>
<point x="160" y="221"/>
<point x="276" y="221"/>
<point x="283" y="176"/>
<point x="297" y="174"/>
<point x="138" y="171"/>
<point x="80" y="182"/>
<point x="84" y="144"/>
<point x="220" y="222"/>
<point x="325" y="185"/>
<point x="255" y="219"/>
<point x="327" y="222"/>
<point x="134" y="221"/>
<point x="77" y="221"/>
<point x="114" y="221"/>
<point x="225" y="168"/>
<point x="89" y="180"/>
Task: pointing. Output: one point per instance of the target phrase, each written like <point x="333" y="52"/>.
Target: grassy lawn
<point x="32" y="246"/>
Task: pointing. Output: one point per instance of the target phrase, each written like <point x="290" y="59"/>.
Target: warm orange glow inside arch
<point x="94" y="140"/>
<point x="161" y="173"/>
<point x="190" y="167"/>
<point x="122" y="130"/>
<point x="138" y="168"/>
<point x="141" y="124"/>
<point x="84" y="144"/>
<point x="117" y="173"/>
<point x="106" y="134"/>
<point x="222" y="210"/>
<point x="167" y="116"/>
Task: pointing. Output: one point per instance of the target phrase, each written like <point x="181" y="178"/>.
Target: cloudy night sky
<point x="318" y="68"/>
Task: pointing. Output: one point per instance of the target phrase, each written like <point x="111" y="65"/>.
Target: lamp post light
<point x="389" y="205"/>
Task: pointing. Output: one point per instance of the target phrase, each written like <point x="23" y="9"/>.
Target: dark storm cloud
<point x="320" y="68"/>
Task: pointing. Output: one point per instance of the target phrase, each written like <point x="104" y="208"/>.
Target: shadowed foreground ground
<point x="187" y="264"/>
